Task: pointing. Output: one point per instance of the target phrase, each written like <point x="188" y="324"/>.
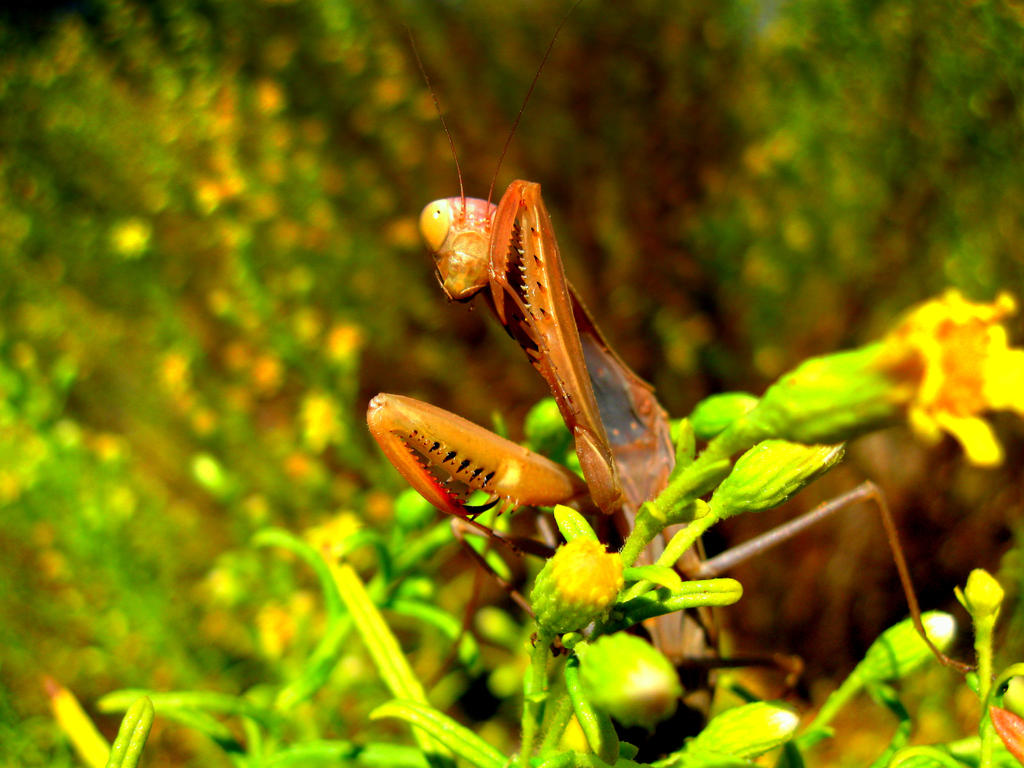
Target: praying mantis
<point x="621" y="433"/>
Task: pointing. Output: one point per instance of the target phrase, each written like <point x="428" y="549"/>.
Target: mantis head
<point x="457" y="233"/>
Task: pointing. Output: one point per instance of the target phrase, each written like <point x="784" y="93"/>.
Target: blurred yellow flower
<point x="267" y="374"/>
<point x="343" y="342"/>
<point x="320" y="420"/>
<point x="130" y="238"/>
<point x="967" y="367"/>
<point x="330" y="536"/>
<point x="176" y="373"/>
<point x="276" y="628"/>
<point x="269" y="97"/>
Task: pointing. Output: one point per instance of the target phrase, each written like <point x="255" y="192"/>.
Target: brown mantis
<point x="509" y="253"/>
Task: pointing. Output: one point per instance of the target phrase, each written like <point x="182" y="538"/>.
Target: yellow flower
<point x="577" y="584"/>
<point x="967" y="368"/>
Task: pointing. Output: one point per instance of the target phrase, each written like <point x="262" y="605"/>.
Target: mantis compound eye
<point x="435" y="221"/>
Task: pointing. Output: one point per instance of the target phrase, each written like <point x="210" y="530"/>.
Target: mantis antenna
<point x="529" y="92"/>
<point x="440" y="114"/>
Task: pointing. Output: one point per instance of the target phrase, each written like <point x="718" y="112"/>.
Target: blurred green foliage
<point x="208" y="263"/>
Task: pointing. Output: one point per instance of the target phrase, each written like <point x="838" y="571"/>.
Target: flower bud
<point x="748" y="730"/>
<point x="629" y="679"/>
<point x="900" y="650"/>
<point x="576" y="585"/>
<point x="833" y="398"/>
<point x="982" y="596"/>
<point x="770" y="473"/>
<point x="713" y="414"/>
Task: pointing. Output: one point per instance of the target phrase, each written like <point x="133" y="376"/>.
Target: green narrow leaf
<point x="886" y="696"/>
<point x="202" y="701"/>
<point x="319" y="666"/>
<point x="131" y="736"/>
<point x="693" y="594"/>
<point x="345" y="752"/>
<point x="469" y="652"/>
<point x="580" y="760"/>
<point x="383" y="646"/>
<point x="278" y="537"/>
<point x="661" y="575"/>
<point x="572" y="524"/>
<point x="322" y="660"/>
<point x="380" y="642"/>
<point x="460" y="740"/>
<point x="923" y="757"/>
<point x="596" y="725"/>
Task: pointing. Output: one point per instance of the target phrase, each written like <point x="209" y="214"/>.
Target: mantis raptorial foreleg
<point x="445" y="458"/>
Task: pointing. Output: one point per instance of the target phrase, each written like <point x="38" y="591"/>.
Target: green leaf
<point x="460" y="740"/>
<point x="450" y="627"/>
<point x="572" y="524"/>
<point x="923" y="757"/>
<point x="886" y="696"/>
<point x="200" y="701"/>
<point x="596" y="725"/>
<point x="345" y="752"/>
<point x="278" y="537"/>
<point x="689" y="758"/>
<point x="661" y="575"/>
<point x="790" y="756"/>
<point x="381" y="643"/>
<point x="126" y="750"/>
<point x="319" y="666"/>
<point x="693" y="594"/>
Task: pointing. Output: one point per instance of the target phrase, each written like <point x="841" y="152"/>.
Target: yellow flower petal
<point x="976" y="437"/>
<point x="1004" y="381"/>
<point x="967" y="367"/>
<point x="924" y="425"/>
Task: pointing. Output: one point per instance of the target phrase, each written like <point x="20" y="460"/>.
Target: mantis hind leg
<point x="866" y="491"/>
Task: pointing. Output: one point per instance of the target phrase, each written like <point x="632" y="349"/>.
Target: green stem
<point x="535" y="694"/>
<point x="835" y="702"/>
<point x="703" y="474"/>
<point x="561" y="712"/>
<point x="983" y="628"/>
<point x="685" y="539"/>
<point x="675" y="549"/>
<point x="983" y="649"/>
